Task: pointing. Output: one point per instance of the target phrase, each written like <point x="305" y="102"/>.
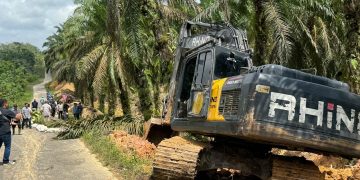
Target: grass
<point x="126" y="164"/>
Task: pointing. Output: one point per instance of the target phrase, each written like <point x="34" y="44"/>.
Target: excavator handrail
<point x="187" y="26"/>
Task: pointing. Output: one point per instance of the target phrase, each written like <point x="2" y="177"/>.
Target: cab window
<point x="228" y="65"/>
<point x="203" y="73"/>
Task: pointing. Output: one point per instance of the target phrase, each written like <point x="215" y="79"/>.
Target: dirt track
<point x="38" y="156"/>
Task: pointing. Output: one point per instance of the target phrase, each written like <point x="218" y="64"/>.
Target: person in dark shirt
<point x="5" y="132"/>
<point x="34" y="105"/>
<point x="53" y="108"/>
<point x="80" y="110"/>
<point x="65" y="110"/>
<point x="75" y="111"/>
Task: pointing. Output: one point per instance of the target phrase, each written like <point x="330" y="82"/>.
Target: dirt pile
<point x="64" y="88"/>
<point x="90" y="113"/>
<point x="61" y="88"/>
<point x="333" y="167"/>
<point x="134" y="143"/>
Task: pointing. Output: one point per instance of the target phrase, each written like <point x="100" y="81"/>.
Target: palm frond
<point x="173" y="13"/>
<point x="89" y="62"/>
<point x="303" y="30"/>
<point x="132" y="29"/>
<point x="324" y="37"/>
<point x="104" y="124"/>
<point x="281" y="32"/>
<point x="209" y="11"/>
<point x="320" y="7"/>
<point x="112" y="65"/>
<point x="102" y="73"/>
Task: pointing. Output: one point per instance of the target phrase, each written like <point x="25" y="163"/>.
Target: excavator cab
<point x="202" y="70"/>
<point x="206" y="54"/>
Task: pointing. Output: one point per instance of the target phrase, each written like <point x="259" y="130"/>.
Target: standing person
<point x="75" y="111"/>
<point x="65" y="110"/>
<point x="46" y="110"/>
<point x="5" y="133"/>
<point x="26" y="112"/>
<point x="15" y="122"/>
<point x="42" y="101"/>
<point x="60" y="109"/>
<point x="34" y="105"/>
<point x="80" y="110"/>
<point x="53" y="108"/>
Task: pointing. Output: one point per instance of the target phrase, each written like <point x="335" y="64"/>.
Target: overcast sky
<point x="32" y="21"/>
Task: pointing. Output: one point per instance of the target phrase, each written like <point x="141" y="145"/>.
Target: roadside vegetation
<point x="124" y="162"/>
<point x="21" y="66"/>
<point x="14" y="84"/>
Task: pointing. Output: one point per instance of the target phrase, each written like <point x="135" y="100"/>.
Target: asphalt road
<point x="40" y="157"/>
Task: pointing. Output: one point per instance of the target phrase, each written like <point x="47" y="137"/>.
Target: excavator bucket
<point x="156" y="131"/>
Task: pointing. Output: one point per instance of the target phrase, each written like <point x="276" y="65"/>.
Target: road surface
<point x="39" y="157"/>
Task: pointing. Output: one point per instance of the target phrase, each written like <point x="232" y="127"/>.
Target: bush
<point x="38" y="118"/>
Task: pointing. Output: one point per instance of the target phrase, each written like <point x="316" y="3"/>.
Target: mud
<point x="331" y="166"/>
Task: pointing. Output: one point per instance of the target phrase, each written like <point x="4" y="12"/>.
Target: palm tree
<point x="352" y="16"/>
<point x="278" y="31"/>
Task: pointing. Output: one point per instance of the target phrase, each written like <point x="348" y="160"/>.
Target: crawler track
<point x="176" y="158"/>
<point x="291" y="168"/>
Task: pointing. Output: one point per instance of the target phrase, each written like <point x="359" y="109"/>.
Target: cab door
<point x="201" y="87"/>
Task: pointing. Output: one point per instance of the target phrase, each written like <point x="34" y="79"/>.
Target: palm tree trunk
<point x="352" y="15"/>
<point x="261" y="37"/>
<point x="92" y="98"/>
<point x="146" y="96"/>
<point x="102" y="102"/>
<point x="130" y="101"/>
<point x="111" y="99"/>
<point x="90" y="95"/>
<point x="124" y="100"/>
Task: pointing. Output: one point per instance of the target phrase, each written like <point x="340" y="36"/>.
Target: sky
<point x="32" y="21"/>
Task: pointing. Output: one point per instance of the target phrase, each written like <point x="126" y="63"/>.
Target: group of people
<point x="10" y="118"/>
<point x="25" y="120"/>
<point x="49" y="109"/>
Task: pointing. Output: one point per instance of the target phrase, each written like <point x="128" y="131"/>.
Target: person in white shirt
<point x="46" y="110"/>
<point x="60" y="110"/>
<point x="26" y="112"/>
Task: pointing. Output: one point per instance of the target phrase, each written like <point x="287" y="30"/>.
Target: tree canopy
<point x="20" y="64"/>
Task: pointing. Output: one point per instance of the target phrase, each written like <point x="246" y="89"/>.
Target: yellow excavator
<point x="240" y="112"/>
